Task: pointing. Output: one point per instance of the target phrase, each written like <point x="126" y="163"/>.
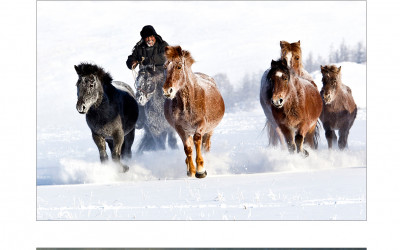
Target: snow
<point x="246" y="179"/>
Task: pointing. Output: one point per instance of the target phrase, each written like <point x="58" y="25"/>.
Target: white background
<point x="20" y="230"/>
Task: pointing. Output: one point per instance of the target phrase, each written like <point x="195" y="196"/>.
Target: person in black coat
<point x="149" y="50"/>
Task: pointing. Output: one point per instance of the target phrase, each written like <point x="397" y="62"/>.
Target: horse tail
<point x="316" y="134"/>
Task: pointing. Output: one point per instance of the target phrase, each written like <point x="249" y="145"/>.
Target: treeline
<point x="343" y="53"/>
<point x="243" y="97"/>
<point x="247" y="93"/>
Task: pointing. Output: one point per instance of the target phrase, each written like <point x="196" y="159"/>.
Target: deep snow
<point x="247" y="180"/>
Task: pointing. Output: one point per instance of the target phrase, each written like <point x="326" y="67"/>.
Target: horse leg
<point x="312" y="137"/>
<point x="281" y="137"/>
<point x="101" y="145"/>
<point x="343" y="135"/>
<point x="127" y="145"/>
<point x="172" y="142"/>
<point x="187" y="146"/>
<point x="206" y="141"/>
<point x="162" y="138"/>
<point x="200" y="172"/>
<point x="110" y="144"/>
<point x="118" y="138"/>
<point x="299" y="140"/>
<point x="187" y="141"/>
<point x="147" y="142"/>
<point x="331" y="137"/>
<point x="289" y="139"/>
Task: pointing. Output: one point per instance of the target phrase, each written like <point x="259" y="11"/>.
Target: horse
<point x="339" y="109"/>
<point x="111" y="111"/>
<point x="296" y="105"/>
<point x="194" y="106"/>
<point x="150" y="97"/>
<point x="293" y="55"/>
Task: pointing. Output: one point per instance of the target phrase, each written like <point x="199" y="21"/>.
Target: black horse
<point x="151" y="100"/>
<point x="111" y="111"/>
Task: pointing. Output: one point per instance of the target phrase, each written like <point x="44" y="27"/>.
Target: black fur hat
<point x="147" y="31"/>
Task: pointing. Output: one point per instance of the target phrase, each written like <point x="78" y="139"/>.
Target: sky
<point x="232" y="37"/>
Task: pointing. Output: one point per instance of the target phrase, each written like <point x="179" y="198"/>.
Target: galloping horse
<point x="150" y="96"/>
<point x="296" y="105"/>
<point x="111" y="111"/>
<point x="194" y="106"/>
<point x="292" y="54"/>
<point x="340" y="110"/>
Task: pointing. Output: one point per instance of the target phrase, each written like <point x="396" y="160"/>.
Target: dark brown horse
<point x="340" y="110"/>
<point x="194" y="106"/>
<point x="296" y="105"/>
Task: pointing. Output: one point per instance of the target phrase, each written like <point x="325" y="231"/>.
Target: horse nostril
<point x="170" y="90"/>
<point x="83" y="107"/>
<point x="280" y="101"/>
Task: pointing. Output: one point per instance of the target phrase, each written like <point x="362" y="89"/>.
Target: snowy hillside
<point x="246" y="180"/>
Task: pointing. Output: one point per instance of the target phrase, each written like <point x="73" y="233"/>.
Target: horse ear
<point x="179" y="50"/>
<point x="340" y="67"/>
<point x="284" y="61"/>
<point x="188" y="58"/>
<point x="273" y="63"/>
<point x="298" y="42"/>
<point x="77" y="70"/>
<point x="282" y="43"/>
<point x="169" y="52"/>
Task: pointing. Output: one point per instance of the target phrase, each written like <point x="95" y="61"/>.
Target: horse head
<point x="292" y="53"/>
<point x="89" y="88"/>
<point x="177" y="65"/>
<point x="146" y="83"/>
<point x="279" y="77"/>
<point x="331" y="79"/>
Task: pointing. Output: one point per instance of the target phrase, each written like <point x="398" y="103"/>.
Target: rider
<point x="149" y="50"/>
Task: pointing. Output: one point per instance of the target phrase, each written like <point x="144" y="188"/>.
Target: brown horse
<point x="194" y="106"/>
<point x="293" y="55"/>
<point x="340" y="110"/>
<point x="296" y="105"/>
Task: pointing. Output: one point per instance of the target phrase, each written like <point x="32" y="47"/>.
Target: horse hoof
<point x="305" y="153"/>
<point x="201" y="175"/>
<point x="125" y="169"/>
<point x="189" y="174"/>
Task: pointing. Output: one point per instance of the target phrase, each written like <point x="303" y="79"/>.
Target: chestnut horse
<point x="296" y="105"/>
<point x="194" y="106"/>
<point x="293" y="55"/>
<point x="340" y="110"/>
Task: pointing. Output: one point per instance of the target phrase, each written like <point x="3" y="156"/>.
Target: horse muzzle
<point x="142" y="100"/>
<point x="81" y="107"/>
<point x="327" y="99"/>
<point x="278" y="103"/>
<point x="169" y="93"/>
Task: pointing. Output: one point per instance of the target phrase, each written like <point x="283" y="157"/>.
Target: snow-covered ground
<point x="246" y="180"/>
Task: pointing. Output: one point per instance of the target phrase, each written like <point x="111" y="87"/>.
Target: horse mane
<point x="295" y="47"/>
<point x="85" y="68"/>
<point x="332" y="70"/>
<point x="174" y="53"/>
<point x="278" y="65"/>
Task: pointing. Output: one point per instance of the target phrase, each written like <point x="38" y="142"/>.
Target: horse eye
<point x="179" y="67"/>
<point x="297" y="58"/>
<point x="91" y="85"/>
